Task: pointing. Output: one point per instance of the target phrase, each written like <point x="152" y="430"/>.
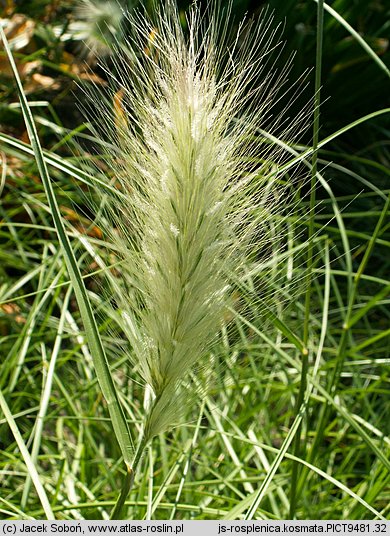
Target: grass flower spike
<point x="196" y="209"/>
<point x="194" y="272"/>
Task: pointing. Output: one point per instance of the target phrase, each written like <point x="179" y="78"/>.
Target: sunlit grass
<point x="233" y="457"/>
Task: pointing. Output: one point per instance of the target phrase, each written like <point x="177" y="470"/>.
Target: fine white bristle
<point x="199" y="189"/>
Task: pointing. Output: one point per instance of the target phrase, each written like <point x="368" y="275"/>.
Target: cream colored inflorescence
<point x="198" y="198"/>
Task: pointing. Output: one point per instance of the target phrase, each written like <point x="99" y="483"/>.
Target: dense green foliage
<point x="234" y="456"/>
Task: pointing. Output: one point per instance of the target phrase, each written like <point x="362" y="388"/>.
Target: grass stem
<point x="297" y="446"/>
<point x="100" y="362"/>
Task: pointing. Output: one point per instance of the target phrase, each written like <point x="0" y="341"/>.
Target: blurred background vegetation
<point x="56" y="43"/>
<point x="48" y="37"/>
<point x="48" y="41"/>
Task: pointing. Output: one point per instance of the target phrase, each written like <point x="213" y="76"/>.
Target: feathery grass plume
<point x="96" y="25"/>
<point x="200" y="190"/>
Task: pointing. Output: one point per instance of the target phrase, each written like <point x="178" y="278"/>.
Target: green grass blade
<point x="310" y="256"/>
<point x="335" y="402"/>
<point x="59" y="163"/>
<point x="241" y="507"/>
<point x="27" y="458"/>
<point x="275" y="465"/>
<point x="308" y="152"/>
<point x="358" y="38"/>
<point x="372" y="242"/>
<point x="92" y="333"/>
<point x="45" y="399"/>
